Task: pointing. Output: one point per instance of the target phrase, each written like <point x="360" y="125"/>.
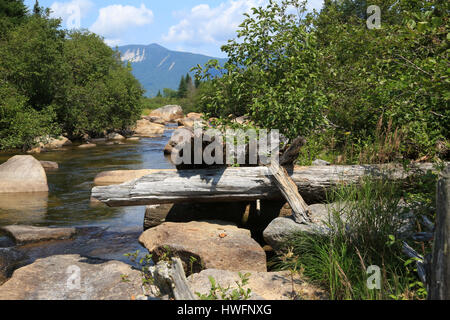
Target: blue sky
<point x="199" y="26"/>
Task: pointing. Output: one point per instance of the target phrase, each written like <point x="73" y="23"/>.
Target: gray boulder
<point x="22" y="174"/>
<point x="29" y="234"/>
<point x="71" y="277"/>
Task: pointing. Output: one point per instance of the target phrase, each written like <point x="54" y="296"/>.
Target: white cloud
<point x="314" y="4"/>
<point x="71" y="12"/>
<point x="114" y="21"/>
<point x="206" y="25"/>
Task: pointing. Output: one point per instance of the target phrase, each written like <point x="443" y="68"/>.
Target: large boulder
<point x="214" y="244"/>
<point x="22" y="174"/>
<point x="147" y="129"/>
<point x="263" y="285"/>
<point x="168" y="113"/>
<point x="71" y="277"/>
<point x="27" y="234"/>
<point x="10" y="259"/>
<point x="107" y="178"/>
<point x="281" y="228"/>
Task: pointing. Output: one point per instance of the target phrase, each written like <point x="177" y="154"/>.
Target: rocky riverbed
<point x="58" y="243"/>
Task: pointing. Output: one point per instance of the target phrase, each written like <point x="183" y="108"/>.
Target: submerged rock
<point x="71" y="277"/>
<point x="29" y="234"/>
<point x="120" y="176"/>
<point x="49" y="165"/>
<point x="214" y="244"/>
<point x="10" y="259"/>
<point x="87" y="146"/>
<point x="22" y="174"/>
<point x="263" y="285"/>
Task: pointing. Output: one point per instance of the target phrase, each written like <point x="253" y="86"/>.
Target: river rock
<point x="215" y="244"/>
<point x="22" y="174"/>
<point x="48" y="143"/>
<point x="147" y="129"/>
<point x="168" y="113"/>
<point x="49" y="165"/>
<point x="157" y="120"/>
<point x="10" y="259"/>
<point x="263" y="285"/>
<point x="115" y="136"/>
<point x="194" y="115"/>
<point x="281" y="228"/>
<point x="107" y="178"/>
<point x="28" y="234"/>
<point x="56" y="278"/>
<point x="87" y="146"/>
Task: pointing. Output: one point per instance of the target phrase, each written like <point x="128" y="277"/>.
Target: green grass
<point x="366" y="236"/>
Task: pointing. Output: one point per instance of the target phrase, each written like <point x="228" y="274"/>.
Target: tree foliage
<point x="54" y="81"/>
<point x="327" y="75"/>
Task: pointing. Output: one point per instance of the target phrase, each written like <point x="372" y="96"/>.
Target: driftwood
<point x="181" y="288"/>
<point x="239" y="184"/>
<point x="439" y="285"/>
<point x="171" y="280"/>
<point x="290" y="191"/>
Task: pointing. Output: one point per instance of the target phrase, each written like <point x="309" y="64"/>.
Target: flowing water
<point x="107" y="232"/>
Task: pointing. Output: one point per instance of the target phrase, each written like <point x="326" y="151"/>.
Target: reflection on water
<point x="23" y="208"/>
<point x="68" y="201"/>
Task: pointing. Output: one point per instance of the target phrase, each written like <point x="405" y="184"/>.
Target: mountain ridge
<point x="157" y="67"/>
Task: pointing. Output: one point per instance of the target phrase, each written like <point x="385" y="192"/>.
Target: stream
<point x="106" y="233"/>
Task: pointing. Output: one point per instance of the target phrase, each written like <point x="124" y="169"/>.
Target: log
<point x="239" y="184"/>
<point x="290" y="192"/>
<point x="181" y="288"/>
<point x="439" y="284"/>
<point x="171" y="280"/>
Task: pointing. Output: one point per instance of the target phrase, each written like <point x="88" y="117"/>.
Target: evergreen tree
<point x="37" y="10"/>
<point x="189" y="84"/>
<point x="159" y="95"/>
<point x="12" y="13"/>
<point x="196" y="83"/>
<point x="182" y="88"/>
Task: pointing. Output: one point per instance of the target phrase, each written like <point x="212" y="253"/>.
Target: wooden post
<point x="439" y="286"/>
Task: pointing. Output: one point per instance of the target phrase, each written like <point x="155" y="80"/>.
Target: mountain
<point x="157" y="67"/>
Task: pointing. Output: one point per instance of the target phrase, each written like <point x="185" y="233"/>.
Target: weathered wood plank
<point x="181" y="288"/>
<point x="290" y="192"/>
<point x="238" y="184"/>
<point x="439" y="284"/>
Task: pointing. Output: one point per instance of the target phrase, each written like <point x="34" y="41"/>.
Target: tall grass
<point x="363" y="232"/>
